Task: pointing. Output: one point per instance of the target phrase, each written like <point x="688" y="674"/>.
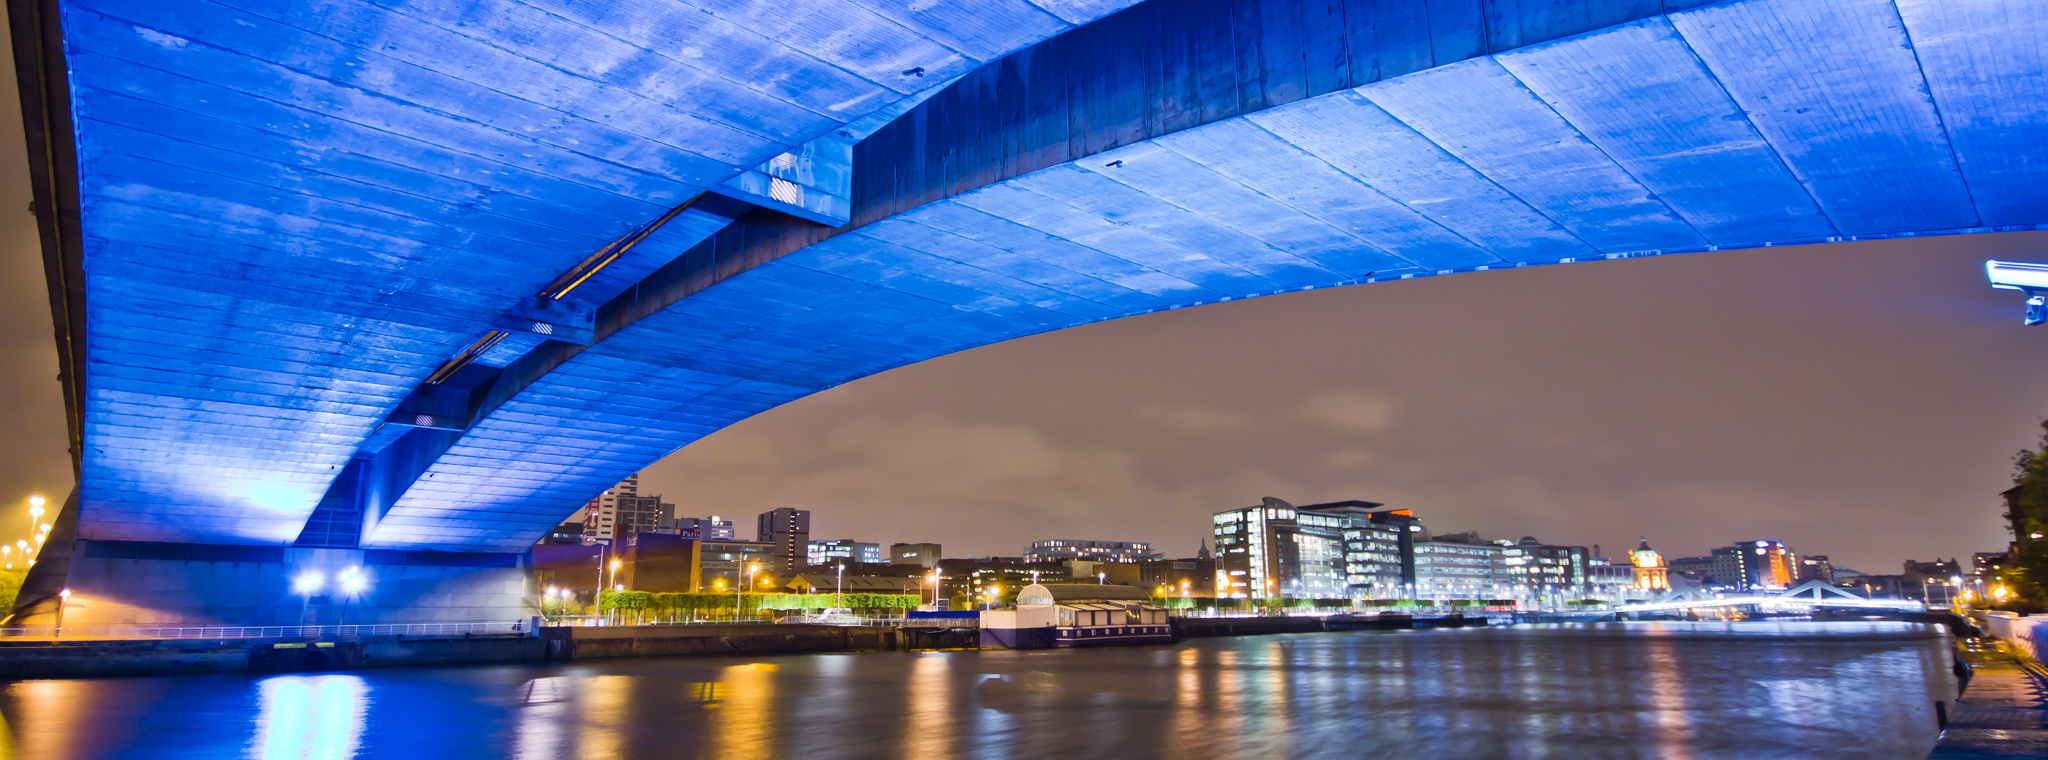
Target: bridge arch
<point x="1164" y="158"/>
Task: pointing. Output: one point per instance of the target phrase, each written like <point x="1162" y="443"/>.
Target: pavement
<point x="2004" y="709"/>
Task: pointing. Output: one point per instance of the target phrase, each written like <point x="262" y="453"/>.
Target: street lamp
<point x="613" y="583"/>
<point x="751" y="570"/>
<point x="62" y="597"/>
<point x="304" y="586"/>
<point x="351" y="583"/>
<point x="839" y="593"/>
<point x="35" y="510"/>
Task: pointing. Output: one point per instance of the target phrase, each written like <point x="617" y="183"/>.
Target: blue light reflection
<point x="310" y="718"/>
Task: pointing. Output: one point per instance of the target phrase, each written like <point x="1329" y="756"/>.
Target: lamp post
<point x="35" y="511"/>
<point x="351" y="582"/>
<point x="751" y="570"/>
<point x="62" y="597"/>
<point x="839" y="592"/>
<point x="304" y="586"/>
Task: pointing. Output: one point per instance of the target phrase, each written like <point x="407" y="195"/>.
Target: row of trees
<point x="2026" y="576"/>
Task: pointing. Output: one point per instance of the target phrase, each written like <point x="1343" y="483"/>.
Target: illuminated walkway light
<point x="2031" y="279"/>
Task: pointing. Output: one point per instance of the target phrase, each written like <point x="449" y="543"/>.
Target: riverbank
<point x="86" y="659"/>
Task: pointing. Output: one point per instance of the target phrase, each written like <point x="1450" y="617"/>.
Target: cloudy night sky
<point x="1857" y="400"/>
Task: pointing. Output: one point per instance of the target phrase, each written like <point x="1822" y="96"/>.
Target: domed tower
<point x="1651" y="574"/>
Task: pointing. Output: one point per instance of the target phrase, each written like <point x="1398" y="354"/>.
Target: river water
<point x="1638" y="690"/>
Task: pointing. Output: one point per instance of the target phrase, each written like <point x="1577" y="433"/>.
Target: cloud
<point x="1348" y="410"/>
<point x="1192" y="418"/>
<point x="1350" y="458"/>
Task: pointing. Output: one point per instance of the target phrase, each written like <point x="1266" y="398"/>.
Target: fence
<point x="965" y="620"/>
<point x="2025" y="634"/>
<point x="147" y="633"/>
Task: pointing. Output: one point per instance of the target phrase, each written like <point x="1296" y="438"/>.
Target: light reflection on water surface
<point x="1645" y="690"/>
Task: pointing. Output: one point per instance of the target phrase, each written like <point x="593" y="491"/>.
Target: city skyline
<point x="1887" y="384"/>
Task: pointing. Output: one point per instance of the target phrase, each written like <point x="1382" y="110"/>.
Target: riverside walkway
<point x="2003" y="711"/>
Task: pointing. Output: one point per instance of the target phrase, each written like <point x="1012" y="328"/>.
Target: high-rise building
<point x="833" y="551"/>
<point x="789" y="530"/>
<point x="600" y="516"/>
<point x="1773" y="566"/>
<point x="1760" y="565"/>
<point x="1650" y="572"/>
<point x="1055" y="550"/>
<point x="642" y="514"/>
<point x="711" y="528"/>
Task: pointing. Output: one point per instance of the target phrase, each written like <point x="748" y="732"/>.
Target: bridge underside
<point x="278" y="234"/>
<point x="1654" y="137"/>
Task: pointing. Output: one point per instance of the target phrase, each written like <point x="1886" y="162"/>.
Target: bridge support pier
<point x="124" y="583"/>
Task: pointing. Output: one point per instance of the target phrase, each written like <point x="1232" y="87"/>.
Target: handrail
<point x="176" y="633"/>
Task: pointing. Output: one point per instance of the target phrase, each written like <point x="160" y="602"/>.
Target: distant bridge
<point x="1808" y="595"/>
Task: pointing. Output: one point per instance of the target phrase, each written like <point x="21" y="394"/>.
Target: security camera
<point x="2031" y="279"/>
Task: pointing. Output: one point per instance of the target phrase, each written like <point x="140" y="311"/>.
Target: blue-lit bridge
<point x="1805" y="597"/>
<point x="402" y="284"/>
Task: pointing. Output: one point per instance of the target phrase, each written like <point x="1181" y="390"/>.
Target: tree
<point x="2027" y="508"/>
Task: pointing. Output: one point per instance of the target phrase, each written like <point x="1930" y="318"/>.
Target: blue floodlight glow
<point x="307" y="584"/>
<point x="352" y="580"/>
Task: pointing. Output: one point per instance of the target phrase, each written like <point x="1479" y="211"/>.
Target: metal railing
<point x="168" y="633"/>
<point x="963" y="620"/>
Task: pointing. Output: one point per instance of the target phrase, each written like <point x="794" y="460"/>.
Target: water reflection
<point x="310" y="718"/>
<point x="1635" y="691"/>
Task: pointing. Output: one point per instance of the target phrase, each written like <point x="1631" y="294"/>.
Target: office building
<point x="1816" y="567"/>
<point x="1096" y="551"/>
<point x="925" y="555"/>
<point x="723" y="563"/>
<point x="1699" y="570"/>
<point x="837" y="551"/>
<point x="1336" y="550"/>
<point x="1194" y="578"/>
<point x="1449" y="568"/>
<point x="713" y="528"/>
<point x="658" y="562"/>
<point x="789" y="531"/>
<point x="1609" y="581"/>
<point x="1380" y="554"/>
<point x="1545" y="573"/>
<point x="642" y="514"/>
